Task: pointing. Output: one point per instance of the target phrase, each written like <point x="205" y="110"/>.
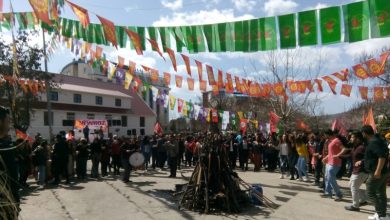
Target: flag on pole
<point x="157" y="129"/>
<point x="273" y="120"/>
<point x="81" y="13"/>
<point x="369" y="120"/>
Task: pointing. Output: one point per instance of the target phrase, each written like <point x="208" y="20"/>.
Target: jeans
<point x="127" y="169"/>
<point x="358" y="195"/>
<point x="41" y="174"/>
<point x="330" y="180"/>
<point x="283" y="164"/>
<point x="95" y="164"/>
<point x="301" y="166"/>
<point x="81" y="167"/>
<point x="376" y="192"/>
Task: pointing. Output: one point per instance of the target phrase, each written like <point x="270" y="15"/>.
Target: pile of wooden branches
<point x="213" y="186"/>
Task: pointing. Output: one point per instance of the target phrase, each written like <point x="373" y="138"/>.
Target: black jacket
<point x="8" y="156"/>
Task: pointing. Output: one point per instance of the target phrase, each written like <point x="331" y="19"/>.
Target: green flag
<point x="91" y="33"/>
<point x="255" y="35"/>
<point x="222" y="36"/>
<point x="188" y="38"/>
<point x="356" y="18"/>
<point x="6" y="21"/>
<point x="165" y="35"/>
<point x="380" y="18"/>
<point x="230" y="45"/>
<point x="179" y="38"/>
<point x="99" y="34"/>
<point x="121" y="36"/>
<point x="307" y="28"/>
<point x="330" y="22"/>
<point x="268" y="33"/>
<point x="212" y="37"/>
<point x="199" y="42"/>
<point x="81" y="31"/>
<point x="153" y="35"/>
<point x="287" y="31"/>
<point x="22" y="20"/>
<point x="141" y="33"/>
<point x="66" y="27"/>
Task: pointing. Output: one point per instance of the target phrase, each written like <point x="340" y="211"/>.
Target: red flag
<point x="375" y="68"/>
<point x="273" y="121"/>
<point x="202" y="85"/>
<point x="214" y="115"/>
<point x="243" y="125"/>
<point x="24" y="136"/>
<point x="238" y="84"/>
<point x="186" y="60"/>
<point x="210" y="74"/>
<point x="190" y="83"/>
<point x="229" y="85"/>
<point x="331" y="82"/>
<point x="154" y="76"/>
<point x="121" y="61"/>
<point x="81" y="13"/>
<point x="157" y="129"/>
<point x="99" y="51"/>
<point x="180" y="105"/>
<point x="23" y="86"/>
<point x="179" y="81"/>
<point x="132" y="67"/>
<point x="172" y="56"/>
<point x="309" y="85"/>
<point x="319" y="85"/>
<point x="167" y="79"/>
<point x="378" y="93"/>
<point x="292" y="86"/>
<point x="109" y="30"/>
<point x="200" y="70"/>
<point x="156" y="47"/>
<point x="220" y="79"/>
<point x="301" y="86"/>
<point x="337" y="125"/>
<point x="360" y="71"/>
<point x="363" y="92"/>
<point x="41" y="10"/>
<point x="215" y="89"/>
<point x="369" y="120"/>
<point x="279" y="89"/>
<point x="302" y="125"/>
<point x="136" y="41"/>
<point x="343" y="76"/>
<point x="346" y="90"/>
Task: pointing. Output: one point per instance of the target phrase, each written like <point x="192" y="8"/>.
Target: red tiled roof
<point x="138" y="106"/>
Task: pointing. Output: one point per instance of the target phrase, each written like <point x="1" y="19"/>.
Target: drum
<point x="137" y="159"/>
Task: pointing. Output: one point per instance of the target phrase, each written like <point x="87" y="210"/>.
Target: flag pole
<point x="48" y="89"/>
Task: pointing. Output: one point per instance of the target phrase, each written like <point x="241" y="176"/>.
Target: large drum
<point x="137" y="159"/>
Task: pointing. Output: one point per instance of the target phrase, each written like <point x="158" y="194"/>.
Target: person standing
<point x="317" y="155"/>
<point x="116" y="154"/>
<point x="243" y="153"/>
<point x="82" y="158"/>
<point x="41" y="157"/>
<point x="146" y="149"/>
<point x="333" y="165"/>
<point x="86" y="132"/>
<point x="375" y="160"/>
<point x="60" y="159"/>
<point x="303" y="157"/>
<point x="127" y="148"/>
<point x="359" y="176"/>
<point x="256" y="154"/>
<point x="8" y="163"/>
<point x="96" y="154"/>
<point x="283" y="155"/>
<point x="172" y="147"/>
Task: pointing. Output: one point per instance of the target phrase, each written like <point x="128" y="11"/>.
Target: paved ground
<point x="149" y="197"/>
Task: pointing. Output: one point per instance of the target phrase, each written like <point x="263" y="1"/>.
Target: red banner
<point x="360" y="71"/>
<point x="363" y="92"/>
<point x="273" y="121"/>
<point x="167" y="79"/>
<point x="210" y="75"/>
<point x="179" y="81"/>
<point x="220" y="79"/>
<point x="186" y="60"/>
<point x="136" y="41"/>
<point x="81" y="13"/>
<point x="109" y="30"/>
<point x="156" y="47"/>
<point x="378" y="93"/>
<point x="200" y="69"/>
<point x="203" y="85"/>
<point x="41" y="10"/>
<point x="190" y="83"/>
<point x="346" y="90"/>
<point x="171" y="55"/>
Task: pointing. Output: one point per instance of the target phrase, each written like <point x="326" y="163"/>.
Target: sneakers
<point x="338" y="198"/>
<point x="352" y="208"/>
<point x="326" y="195"/>
<point x="373" y="217"/>
<point x="299" y="179"/>
<point x="305" y="179"/>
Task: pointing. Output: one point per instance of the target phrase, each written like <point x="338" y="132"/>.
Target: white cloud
<point x="368" y="46"/>
<point x="173" y="5"/>
<point x="318" y="6"/>
<point x="278" y="7"/>
<point x="149" y="59"/>
<point x="244" y="5"/>
<point x="200" y="17"/>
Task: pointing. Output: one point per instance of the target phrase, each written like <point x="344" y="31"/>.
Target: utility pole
<point x="48" y="90"/>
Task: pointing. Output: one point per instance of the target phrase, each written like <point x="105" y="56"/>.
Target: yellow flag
<point x="128" y="79"/>
<point x="240" y="115"/>
<point x="172" y="102"/>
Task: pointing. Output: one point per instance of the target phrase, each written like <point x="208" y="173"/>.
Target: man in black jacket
<point x="375" y="160"/>
<point x="60" y="159"/>
<point x="8" y="168"/>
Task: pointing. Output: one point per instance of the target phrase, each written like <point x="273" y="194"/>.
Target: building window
<point x="118" y="102"/>
<point x="116" y="122"/>
<point x="99" y="100"/>
<point x="124" y="120"/>
<point x="53" y="96"/>
<point x="108" y="117"/>
<point x="70" y="116"/>
<point x="142" y="121"/>
<point x="46" y="118"/>
<point x="77" y="98"/>
<point x="142" y="131"/>
<point x="90" y="116"/>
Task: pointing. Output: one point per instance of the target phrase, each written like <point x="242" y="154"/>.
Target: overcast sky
<point x="187" y="12"/>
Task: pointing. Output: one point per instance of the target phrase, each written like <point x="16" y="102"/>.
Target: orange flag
<point x="156" y="47"/>
<point x="23" y="86"/>
<point x="343" y="76"/>
<point x="210" y="75"/>
<point x="279" y="89"/>
<point x="202" y="85"/>
<point x="369" y="120"/>
<point x="154" y="75"/>
<point x="179" y="81"/>
<point x="190" y="83"/>
<point x="99" y="52"/>
<point x="81" y="13"/>
<point x="346" y="90"/>
<point x="229" y="85"/>
<point x="301" y="86"/>
<point x="167" y="79"/>
<point x="319" y="85"/>
<point x="24" y="136"/>
<point x="172" y="56"/>
<point x="375" y="68"/>
<point x="302" y="125"/>
<point x="309" y="85"/>
<point x="360" y="71"/>
<point x="220" y="79"/>
<point x="200" y="70"/>
<point x="238" y="84"/>
<point x="41" y="10"/>
<point x="132" y="67"/>
<point x="363" y="92"/>
<point x="332" y="83"/>
<point x="273" y="121"/>
<point x="186" y="60"/>
<point x="292" y="85"/>
<point x="109" y="30"/>
<point x="136" y="41"/>
<point x="215" y="89"/>
<point x="378" y="93"/>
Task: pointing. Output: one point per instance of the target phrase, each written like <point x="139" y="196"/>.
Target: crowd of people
<point x="327" y="156"/>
